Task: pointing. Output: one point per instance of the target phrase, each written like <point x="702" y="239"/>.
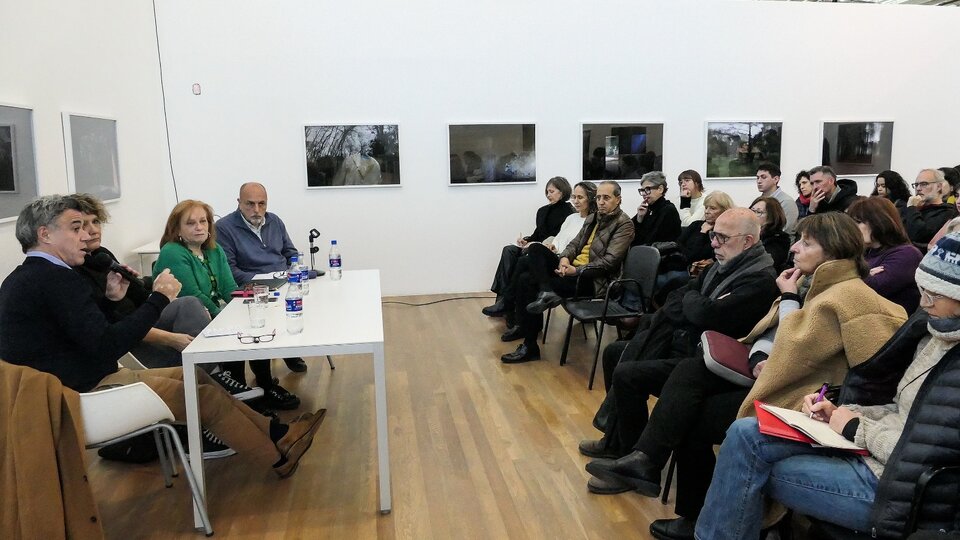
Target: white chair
<point x="124" y="412"/>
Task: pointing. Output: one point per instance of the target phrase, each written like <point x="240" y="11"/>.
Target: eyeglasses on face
<point x="758" y="212"/>
<point x="920" y="185"/>
<point x="265" y="338"/>
<point x="722" y="238"/>
<point x="647" y="190"/>
<point x="928" y="297"/>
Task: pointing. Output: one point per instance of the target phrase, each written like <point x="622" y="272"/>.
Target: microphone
<point x="314" y="234"/>
<point x="103" y="262"/>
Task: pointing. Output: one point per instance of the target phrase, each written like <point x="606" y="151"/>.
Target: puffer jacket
<point x="930" y="438"/>
<point x="609" y="247"/>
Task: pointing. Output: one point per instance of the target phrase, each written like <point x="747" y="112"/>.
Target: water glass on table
<point x="257" y="309"/>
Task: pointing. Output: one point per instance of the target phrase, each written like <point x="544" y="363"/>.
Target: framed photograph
<point x="857" y="147"/>
<point x="93" y="162"/>
<point x="18" y="166"/>
<point x="621" y="151"/>
<point x="493" y="153"/>
<point x="734" y="149"/>
<point x="8" y="160"/>
<point x="352" y="155"/>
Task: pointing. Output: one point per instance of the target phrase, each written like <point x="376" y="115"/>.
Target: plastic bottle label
<point x="293" y="278"/>
<point x="335" y="263"/>
<point x="294" y="305"/>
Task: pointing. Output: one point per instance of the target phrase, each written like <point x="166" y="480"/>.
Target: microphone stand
<point x="314" y="234"/>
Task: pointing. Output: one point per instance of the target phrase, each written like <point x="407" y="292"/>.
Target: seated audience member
<point x="550" y="217"/>
<point x="952" y="177"/>
<point x="256" y="242"/>
<point x="890" y="185"/>
<point x="180" y="322"/>
<point x="805" y="190"/>
<point x="768" y="183"/>
<point x="692" y="197"/>
<point x="50" y="322"/>
<point x="889" y="254"/>
<point x="584" y="204"/>
<point x="926" y="212"/>
<point x="741" y="283"/>
<point x="825" y="321"/>
<point x="189" y="249"/>
<point x="657" y="219"/>
<point x="694" y="243"/>
<point x="830" y="194"/>
<point x="775" y="240"/>
<point x="596" y="254"/>
<point x="907" y="426"/>
<point x="951" y="226"/>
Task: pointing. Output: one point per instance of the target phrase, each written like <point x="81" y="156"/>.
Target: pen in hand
<point x="823" y="390"/>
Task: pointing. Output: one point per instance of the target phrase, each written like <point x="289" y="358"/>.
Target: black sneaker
<point x="236" y="388"/>
<point x="213" y="448"/>
<point x="277" y="397"/>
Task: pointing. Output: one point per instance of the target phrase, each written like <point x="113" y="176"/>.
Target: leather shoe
<point x="512" y="334"/>
<point x="524" y="353"/>
<point x="680" y="528"/>
<point x="296" y="365"/>
<point x="636" y="470"/>
<point x="602" y="487"/>
<point x="545" y="300"/>
<point x="498" y="309"/>
<point x="297" y="441"/>
<point x="597" y="448"/>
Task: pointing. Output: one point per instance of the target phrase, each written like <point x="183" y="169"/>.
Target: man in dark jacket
<point x="926" y="212"/>
<point x="657" y="219"/>
<point x="588" y="262"/>
<point x="830" y="194"/>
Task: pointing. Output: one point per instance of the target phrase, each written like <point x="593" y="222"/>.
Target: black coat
<point x="550" y="218"/>
<point x="661" y="224"/>
<point x="923" y="222"/>
<point x="846" y="197"/>
<point x="931" y="436"/>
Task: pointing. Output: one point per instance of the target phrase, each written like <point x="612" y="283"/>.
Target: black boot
<point x="524" y="353"/>
<point x="636" y="470"/>
<point x="498" y="309"/>
<point x="673" y="529"/>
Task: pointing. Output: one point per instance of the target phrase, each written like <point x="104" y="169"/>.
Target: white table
<point x="340" y="317"/>
<point x="150" y="250"/>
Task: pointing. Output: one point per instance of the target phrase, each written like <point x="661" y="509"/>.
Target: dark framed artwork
<point x="352" y="155"/>
<point x="857" y="147"/>
<point x="492" y="153"/>
<point x="93" y="157"/>
<point x="621" y="151"/>
<point x="735" y="149"/>
<point x="18" y="168"/>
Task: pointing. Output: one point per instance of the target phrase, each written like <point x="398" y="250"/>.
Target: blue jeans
<point x="830" y="486"/>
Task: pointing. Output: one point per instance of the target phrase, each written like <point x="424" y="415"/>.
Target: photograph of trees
<point x="352" y="155"/>
<point x="734" y="149"/>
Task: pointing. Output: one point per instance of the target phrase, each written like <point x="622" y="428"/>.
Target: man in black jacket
<point x="830" y="194"/>
<point x="926" y="212"/>
<point x="50" y="322"/>
<point x="729" y="298"/>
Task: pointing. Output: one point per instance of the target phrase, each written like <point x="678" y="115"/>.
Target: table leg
<point x="193" y="432"/>
<point x="383" y="451"/>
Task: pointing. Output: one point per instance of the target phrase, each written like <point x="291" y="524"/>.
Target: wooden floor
<point x="478" y="449"/>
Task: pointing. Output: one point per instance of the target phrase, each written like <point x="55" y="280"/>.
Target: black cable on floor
<point x="435" y="301"/>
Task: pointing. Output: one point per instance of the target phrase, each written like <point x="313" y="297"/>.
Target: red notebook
<point x="796" y="426"/>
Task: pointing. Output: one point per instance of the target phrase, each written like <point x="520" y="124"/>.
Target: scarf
<point x="804" y="200"/>
<point x="752" y="260"/>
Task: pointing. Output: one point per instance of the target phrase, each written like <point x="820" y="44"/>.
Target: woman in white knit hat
<point x="902" y="405"/>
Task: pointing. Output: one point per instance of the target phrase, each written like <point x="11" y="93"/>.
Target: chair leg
<point x="595" y="332"/>
<point x="546" y="326"/>
<point x="162" y="456"/>
<point x="584" y="330"/>
<point x="666" y="485"/>
<point x="174" y="471"/>
<point x="330" y="361"/>
<point x="198" y="499"/>
<point x="566" y="342"/>
<point x="596" y="355"/>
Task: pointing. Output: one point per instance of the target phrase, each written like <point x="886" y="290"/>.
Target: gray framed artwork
<point x="352" y="155"/>
<point x="492" y="153"/>
<point x="857" y="147"/>
<point x="93" y="159"/>
<point x="18" y="168"/>
<point x="734" y="149"/>
<point x="624" y="151"/>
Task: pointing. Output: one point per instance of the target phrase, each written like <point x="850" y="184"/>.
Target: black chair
<point x="625" y="297"/>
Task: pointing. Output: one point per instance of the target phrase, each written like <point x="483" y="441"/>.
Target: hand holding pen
<point x="818" y="407"/>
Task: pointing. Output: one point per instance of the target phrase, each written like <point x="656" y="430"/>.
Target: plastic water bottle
<point x="336" y="271"/>
<point x="304" y="274"/>
<point x="294" y="301"/>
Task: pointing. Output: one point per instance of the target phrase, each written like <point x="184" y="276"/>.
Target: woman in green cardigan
<point x="189" y="249"/>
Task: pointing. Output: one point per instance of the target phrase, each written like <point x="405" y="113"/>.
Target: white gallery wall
<point x="95" y="58"/>
<point x="268" y="68"/>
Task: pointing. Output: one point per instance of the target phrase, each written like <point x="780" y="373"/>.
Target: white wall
<point x="97" y="58"/>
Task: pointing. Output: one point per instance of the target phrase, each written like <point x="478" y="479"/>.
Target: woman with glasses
<point x="925" y="212"/>
<point x="902" y="405"/>
<point x="775" y="240"/>
<point x="889" y="254"/>
<point x="892" y="186"/>
<point x="657" y="219"/>
<point x="189" y="249"/>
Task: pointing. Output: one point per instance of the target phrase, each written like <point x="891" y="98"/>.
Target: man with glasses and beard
<point x="926" y="212"/>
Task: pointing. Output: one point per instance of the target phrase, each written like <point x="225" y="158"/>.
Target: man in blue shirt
<point x="256" y="242"/>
